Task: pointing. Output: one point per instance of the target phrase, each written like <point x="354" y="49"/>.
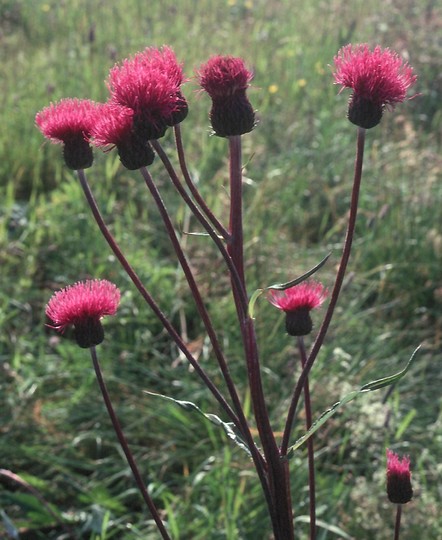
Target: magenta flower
<point x="114" y="127"/>
<point x="226" y="80"/>
<point x="150" y="85"/>
<point x="378" y="78"/>
<point x="69" y="122"/>
<point x="83" y="305"/>
<point x="399" y="488"/>
<point x="297" y="302"/>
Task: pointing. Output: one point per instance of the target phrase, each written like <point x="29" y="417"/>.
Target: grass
<point x="299" y="161"/>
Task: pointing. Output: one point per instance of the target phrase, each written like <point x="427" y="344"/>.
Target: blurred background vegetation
<point x="298" y="170"/>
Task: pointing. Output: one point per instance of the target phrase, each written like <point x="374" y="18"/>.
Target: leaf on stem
<point x="369" y="387"/>
<point x="228" y="427"/>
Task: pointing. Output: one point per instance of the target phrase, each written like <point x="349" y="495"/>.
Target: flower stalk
<point x="397" y="523"/>
<point x="125" y="447"/>
<point x="149" y="299"/>
<point x="310" y="443"/>
<point x="335" y="292"/>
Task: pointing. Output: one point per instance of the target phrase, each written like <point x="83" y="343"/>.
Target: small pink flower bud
<point x="297" y="302"/>
<point x="399" y="488"/>
<point x="226" y="80"/>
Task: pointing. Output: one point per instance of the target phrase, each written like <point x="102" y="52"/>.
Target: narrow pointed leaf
<point x="323" y="419"/>
<point x="300" y="279"/>
<point x="386" y="381"/>
<point x="253" y="300"/>
<point x="228" y="427"/>
<point x="324" y="525"/>
<point x="369" y="387"/>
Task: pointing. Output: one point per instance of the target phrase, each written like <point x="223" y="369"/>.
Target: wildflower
<point x="378" y="78"/>
<point x="83" y="305"/>
<point x="114" y="127"/>
<point x="297" y="302"/>
<point x="226" y="80"/>
<point x="399" y="488"/>
<point x="149" y="84"/>
<point x="69" y="122"/>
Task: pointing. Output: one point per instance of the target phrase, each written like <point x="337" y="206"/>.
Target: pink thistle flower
<point x="114" y="127"/>
<point x="83" y="305"/>
<point x="378" y="78"/>
<point x="165" y="60"/>
<point x="297" y="302"/>
<point x="399" y="489"/>
<point x="224" y="75"/>
<point x="69" y="122"/>
<point x="149" y="84"/>
<point x="226" y="80"/>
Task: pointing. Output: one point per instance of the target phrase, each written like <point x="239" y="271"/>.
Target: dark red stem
<point x="335" y="293"/>
<point x="235" y="246"/>
<point x="245" y="430"/>
<point x="237" y="286"/>
<point x="240" y="297"/>
<point x="150" y="301"/>
<point x="397" y="524"/>
<point x="125" y="447"/>
<point x="278" y="470"/>
<point x="193" y="189"/>
<point x="310" y="445"/>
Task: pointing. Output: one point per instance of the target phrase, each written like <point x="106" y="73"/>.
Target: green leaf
<point x="324" y="525"/>
<point x="253" y="300"/>
<point x="10" y="528"/>
<point x="228" y="427"/>
<point x="283" y="286"/>
<point x="405" y="423"/>
<point x="300" y="279"/>
<point x="386" y="381"/>
<point x="369" y="387"/>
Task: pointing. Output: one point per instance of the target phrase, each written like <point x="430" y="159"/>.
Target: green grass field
<point x="298" y="166"/>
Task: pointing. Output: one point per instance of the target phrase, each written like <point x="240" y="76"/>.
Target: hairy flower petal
<point x="223" y="76"/>
<point x="378" y="78"/>
<point x="67" y="119"/>
<point x="81" y="302"/>
<point x="149" y="84"/>
<point x="379" y="75"/>
<point x="309" y="294"/>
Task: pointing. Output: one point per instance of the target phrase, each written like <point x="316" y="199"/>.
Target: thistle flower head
<point x="226" y="80"/>
<point x="114" y="127"/>
<point x="378" y="78"/>
<point x="224" y="76"/>
<point x="297" y="302"/>
<point x="69" y="122"/>
<point x="149" y="84"/>
<point x="83" y="305"/>
<point x="399" y="489"/>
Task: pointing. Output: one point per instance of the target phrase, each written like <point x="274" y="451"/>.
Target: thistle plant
<point x="145" y="100"/>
